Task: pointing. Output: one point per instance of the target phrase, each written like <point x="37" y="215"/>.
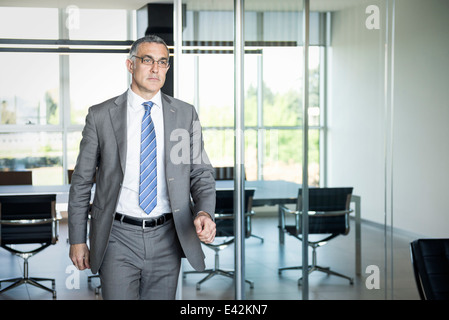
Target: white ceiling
<point x="256" y="5"/>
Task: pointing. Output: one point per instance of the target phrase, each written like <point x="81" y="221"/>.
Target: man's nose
<point x="155" y="67"/>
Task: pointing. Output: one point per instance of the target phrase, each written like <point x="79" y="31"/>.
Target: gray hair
<point x="149" y="39"/>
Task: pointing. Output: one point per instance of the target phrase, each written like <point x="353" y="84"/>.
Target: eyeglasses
<point x="149" y="62"/>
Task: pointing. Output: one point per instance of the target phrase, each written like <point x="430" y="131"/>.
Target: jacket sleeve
<point x="82" y="181"/>
<point x="202" y="182"/>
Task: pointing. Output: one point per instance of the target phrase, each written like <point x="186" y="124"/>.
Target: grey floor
<point x="262" y="261"/>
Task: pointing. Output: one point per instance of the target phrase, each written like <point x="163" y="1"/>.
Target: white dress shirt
<point x="128" y="203"/>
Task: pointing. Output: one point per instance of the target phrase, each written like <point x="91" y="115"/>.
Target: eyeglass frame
<point x="154" y="61"/>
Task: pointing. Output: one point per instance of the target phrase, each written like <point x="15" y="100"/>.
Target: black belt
<point x="144" y="223"/>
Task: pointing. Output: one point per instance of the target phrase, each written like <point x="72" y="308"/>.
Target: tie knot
<point x="147" y="105"/>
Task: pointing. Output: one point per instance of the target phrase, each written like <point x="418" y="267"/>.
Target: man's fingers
<point x="79" y="254"/>
<point x="208" y="234"/>
<point x="198" y="225"/>
<point x="83" y="263"/>
<point x="205" y="229"/>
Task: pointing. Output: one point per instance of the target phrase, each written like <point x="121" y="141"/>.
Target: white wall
<point x="355" y="101"/>
<point x="357" y="115"/>
<point x="421" y="126"/>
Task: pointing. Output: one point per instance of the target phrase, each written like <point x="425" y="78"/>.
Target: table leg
<point x="280" y="223"/>
<point x="358" y="235"/>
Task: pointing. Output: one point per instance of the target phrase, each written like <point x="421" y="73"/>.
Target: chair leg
<point x="289" y="268"/>
<point x="17" y="282"/>
<point x="333" y="273"/>
<point x="220" y="272"/>
<point x="89" y="280"/>
<point x="260" y="238"/>
<point x="31" y="280"/>
<point x="216" y="271"/>
<point x="315" y="267"/>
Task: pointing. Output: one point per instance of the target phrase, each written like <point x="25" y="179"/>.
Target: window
<point x="46" y="89"/>
<point x="273" y="109"/>
<point x="273" y="87"/>
<point x="29" y="89"/>
<point x="94" y="78"/>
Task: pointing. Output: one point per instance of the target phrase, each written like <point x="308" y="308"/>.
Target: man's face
<point x="147" y="80"/>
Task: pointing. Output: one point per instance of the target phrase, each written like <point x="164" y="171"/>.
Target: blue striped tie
<point x="148" y="170"/>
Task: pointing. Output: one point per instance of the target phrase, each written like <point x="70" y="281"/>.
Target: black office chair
<point x="224" y="219"/>
<point x="430" y="260"/>
<point x="328" y="216"/>
<point x="227" y="173"/>
<point x="28" y="219"/>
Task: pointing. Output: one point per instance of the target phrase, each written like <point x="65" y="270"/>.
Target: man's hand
<point x="205" y="227"/>
<point x="79" y="254"/>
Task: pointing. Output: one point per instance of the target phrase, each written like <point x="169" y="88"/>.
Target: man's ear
<point x="130" y="65"/>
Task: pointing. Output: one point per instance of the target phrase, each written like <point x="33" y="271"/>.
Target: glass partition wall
<point x="348" y="128"/>
<point x="346" y="138"/>
<point x="358" y="126"/>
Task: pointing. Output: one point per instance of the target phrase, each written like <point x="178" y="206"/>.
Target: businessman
<point x="155" y="192"/>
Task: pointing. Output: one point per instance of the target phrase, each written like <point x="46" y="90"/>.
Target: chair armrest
<point x="22" y="222"/>
<point x="284" y="210"/>
<point x="225" y="216"/>
<point x="318" y="213"/>
<point x="330" y="213"/>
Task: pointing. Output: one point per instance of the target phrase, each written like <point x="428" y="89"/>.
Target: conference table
<point x="267" y="193"/>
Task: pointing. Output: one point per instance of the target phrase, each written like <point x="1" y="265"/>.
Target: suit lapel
<point x="118" y="119"/>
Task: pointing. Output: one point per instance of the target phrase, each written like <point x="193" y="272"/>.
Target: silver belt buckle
<point x="143" y="224"/>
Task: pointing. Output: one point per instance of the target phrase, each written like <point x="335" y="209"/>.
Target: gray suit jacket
<point x="102" y="155"/>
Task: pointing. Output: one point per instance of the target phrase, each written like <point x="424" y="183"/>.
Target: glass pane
<point x="40" y="152"/>
<point x="282" y="86"/>
<point x="357" y="123"/>
<point x="219" y="146"/>
<point x="97" y="24"/>
<point x="189" y="85"/>
<point x="251" y="167"/>
<point x="216" y="90"/>
<point x="107" y="79"/>
<point x="210" y="24"/>
<point x="29" y="88"/>
<point x="73" y="144"/>
<point x="283" y="153"/>
<point x="28" y="23"/>
<point x="315" y="90"/>
<point x="252" y="73"/>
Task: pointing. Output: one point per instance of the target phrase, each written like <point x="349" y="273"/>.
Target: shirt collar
<point x="135" y="101"/>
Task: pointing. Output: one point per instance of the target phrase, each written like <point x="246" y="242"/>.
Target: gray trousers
<point x="141" y="263"/>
